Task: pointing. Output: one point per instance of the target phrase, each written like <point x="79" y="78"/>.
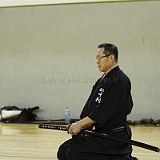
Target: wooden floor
<point x="28" y="142"/>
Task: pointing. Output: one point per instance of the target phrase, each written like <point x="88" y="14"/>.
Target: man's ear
<point x="112" y="58"/>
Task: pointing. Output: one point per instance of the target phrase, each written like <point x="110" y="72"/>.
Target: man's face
<point x="104" y="62"/>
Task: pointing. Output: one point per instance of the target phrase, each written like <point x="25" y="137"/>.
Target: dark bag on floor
<point x="14" y="114"/>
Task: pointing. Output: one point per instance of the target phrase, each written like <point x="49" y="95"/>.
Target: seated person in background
<point x="106" y="110"/>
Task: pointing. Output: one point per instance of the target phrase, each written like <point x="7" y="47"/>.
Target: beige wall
<point x="19" y="3"/>
<point x="47" y="54"/>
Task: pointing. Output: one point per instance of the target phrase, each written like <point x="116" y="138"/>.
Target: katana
<point x="104" y="135"/>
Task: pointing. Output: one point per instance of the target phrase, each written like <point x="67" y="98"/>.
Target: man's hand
<point x="74" y="128"/>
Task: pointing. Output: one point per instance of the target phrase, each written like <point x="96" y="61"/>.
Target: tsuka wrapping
<point x="55" y="127"/>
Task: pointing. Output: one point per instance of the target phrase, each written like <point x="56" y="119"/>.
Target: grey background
<point x="47" y="54"/>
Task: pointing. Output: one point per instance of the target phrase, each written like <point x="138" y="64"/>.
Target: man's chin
<point x="100" y="70"/>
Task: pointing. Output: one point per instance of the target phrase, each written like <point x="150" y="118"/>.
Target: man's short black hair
<point x="110" y="49"/>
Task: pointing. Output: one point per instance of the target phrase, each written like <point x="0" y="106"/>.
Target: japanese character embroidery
<point x="100" y="93"/>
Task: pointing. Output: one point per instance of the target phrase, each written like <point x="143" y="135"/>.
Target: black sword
<point x="103" y="135"/>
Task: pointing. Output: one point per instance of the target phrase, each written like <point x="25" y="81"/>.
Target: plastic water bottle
<point x="67" y="116"/>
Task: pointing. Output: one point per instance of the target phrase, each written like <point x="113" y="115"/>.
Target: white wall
<point x="47" y="54"/>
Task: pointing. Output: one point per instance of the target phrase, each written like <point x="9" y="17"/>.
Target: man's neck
<point x="111" y="68"/>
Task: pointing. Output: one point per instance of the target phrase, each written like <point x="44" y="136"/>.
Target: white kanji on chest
<point x="100" y="93"/>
